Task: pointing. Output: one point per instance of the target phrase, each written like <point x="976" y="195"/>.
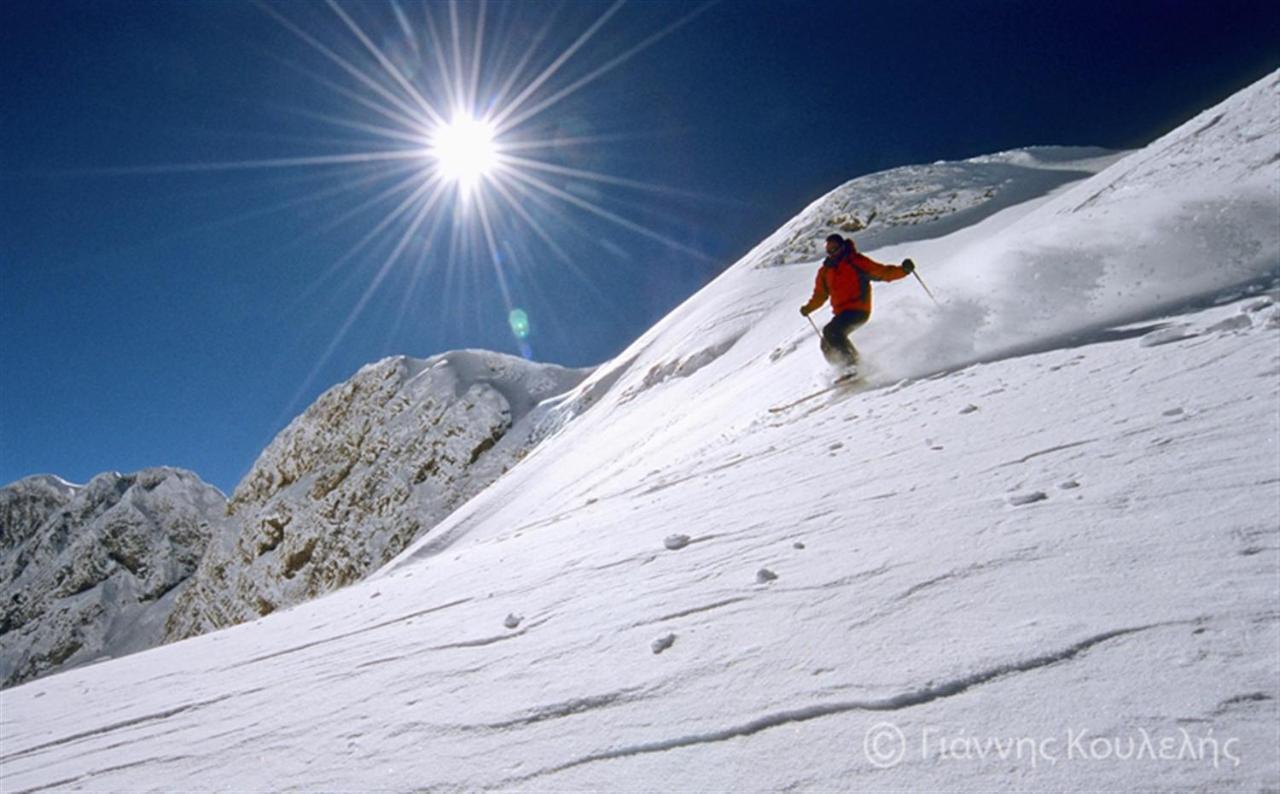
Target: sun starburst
<point x="464" y="151"/>
<point x="458" y="155"/>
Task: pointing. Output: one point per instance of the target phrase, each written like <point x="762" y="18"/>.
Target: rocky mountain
<point x="90" y="572"/>
<point x="128" y="561"/>
<point x="368" y="468"/>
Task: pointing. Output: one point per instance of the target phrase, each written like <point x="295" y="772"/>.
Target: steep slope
<point x="1072" y="543"/>
<point x="374" y="463"/>
<point x="92" y="571"/>
<point x="1024" y="254"/>
<point x="745" y="321"/>
<point x="1076" y="543"/>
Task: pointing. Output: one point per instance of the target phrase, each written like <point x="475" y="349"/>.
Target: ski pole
<point x="926" y="287"/>
<point x="815" y="326"/>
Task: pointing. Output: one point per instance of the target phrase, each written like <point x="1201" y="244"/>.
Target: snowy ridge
<point x="918" y="202"/>
<point x="678" y="589"/>
<point x="88" y="572"/>
<point x="374" y="463"/>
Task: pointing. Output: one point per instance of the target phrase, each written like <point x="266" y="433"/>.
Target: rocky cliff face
<point x="88" y="572"/>
<point x="374" y="463"/>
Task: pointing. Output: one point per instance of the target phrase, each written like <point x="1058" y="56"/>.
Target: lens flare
<point x="519" y="320"/>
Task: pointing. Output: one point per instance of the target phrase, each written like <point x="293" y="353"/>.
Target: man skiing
<point x="845" y="277"/>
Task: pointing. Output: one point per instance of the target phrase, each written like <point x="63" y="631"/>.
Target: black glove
<point x="805" y="310"/>
<point x="908" y="266"/>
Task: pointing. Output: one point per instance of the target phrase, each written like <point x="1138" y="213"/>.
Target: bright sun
<point x="459" y="154"/>
<point x="464" y="150"/>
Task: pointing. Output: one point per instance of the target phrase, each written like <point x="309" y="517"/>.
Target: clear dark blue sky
<point x="156" y="311"/>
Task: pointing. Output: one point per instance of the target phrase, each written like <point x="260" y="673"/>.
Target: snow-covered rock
<point x="917" y="202"/>
<point x="24" y="506"/>
<point x="88" y="572"/>
<point x="374" y="463"/>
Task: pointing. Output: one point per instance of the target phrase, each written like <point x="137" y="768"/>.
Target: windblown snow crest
<point x="917" y="202"/>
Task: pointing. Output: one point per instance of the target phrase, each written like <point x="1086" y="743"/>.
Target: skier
<point x="845" y="277"/>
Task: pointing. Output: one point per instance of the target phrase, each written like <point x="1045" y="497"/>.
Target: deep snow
<point x="1048" y="522"/>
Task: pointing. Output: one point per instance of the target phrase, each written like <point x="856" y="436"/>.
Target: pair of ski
<point x="848" y="379"/>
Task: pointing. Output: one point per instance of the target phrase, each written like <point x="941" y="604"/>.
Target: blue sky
<point x="179" y="275"/>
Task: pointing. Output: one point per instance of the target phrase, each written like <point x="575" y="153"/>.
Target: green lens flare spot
<point x="519" y="323"/>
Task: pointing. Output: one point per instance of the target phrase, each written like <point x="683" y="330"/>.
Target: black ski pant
<point x="836" y="333"/>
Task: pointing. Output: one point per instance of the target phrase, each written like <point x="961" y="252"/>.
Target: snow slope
<point x="1056" y="534"/>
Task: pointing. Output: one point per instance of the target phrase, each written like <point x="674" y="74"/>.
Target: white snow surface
<point x="1036" y="549"/>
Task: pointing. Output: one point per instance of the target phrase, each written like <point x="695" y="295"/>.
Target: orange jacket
<point x="846" y="278"/>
